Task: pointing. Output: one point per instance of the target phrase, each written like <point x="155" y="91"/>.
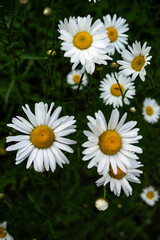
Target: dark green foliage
<point x="60" y="205"/>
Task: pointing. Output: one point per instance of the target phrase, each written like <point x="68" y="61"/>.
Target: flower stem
<point x="77" y="95"/>
<point x="104" y="192"/>
<point x="123" y="95"/>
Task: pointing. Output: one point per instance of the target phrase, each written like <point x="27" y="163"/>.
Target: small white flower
<point x="151" y="110"/>
<point x="111" y="143"/>
<point x="43" y="137"/>
<point x="121" y="179"/>
<point x="116" y="27"/>
<point x="101" y="204"/>
<point x="150" y="195"/>
<point x="112" y="93"/>
<point x="3" y="232"/>
<point x="74" y="77"/>
<point x="135" y="60"/>
<point x="84" y="43"/>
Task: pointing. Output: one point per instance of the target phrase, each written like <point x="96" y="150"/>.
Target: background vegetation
<point x="60" y="205"/>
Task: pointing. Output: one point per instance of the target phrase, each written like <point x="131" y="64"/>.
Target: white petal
<point x="31" y="157"/>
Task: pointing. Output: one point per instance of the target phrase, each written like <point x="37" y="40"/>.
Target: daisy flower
<point x="135" y="60"/>
<point x="42" y="137"/>
<point x="84" y="42"/>
<point x="151" y="110"/>
<point x="112" y="143"/>
<point x="121" y="179"/>
<point x="116" y="27"/>
<point x="3" y="233"/>
<point x="101" y="204"/>
<point x="112" y="91"/>
<point x="150" y="195"/>
<point x="74" y="77"/>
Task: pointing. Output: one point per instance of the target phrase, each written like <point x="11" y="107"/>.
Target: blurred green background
<point x="60" y="205"/>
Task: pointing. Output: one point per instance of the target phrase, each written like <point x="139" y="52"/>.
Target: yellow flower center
<point x="149" y="110"/>
<point x="2" y="232"/>
<point x="42" y="137"/>
<point x="82" y="40"/>
<point x="112" y="34"/>
<point x="138" y="62"/>
<point x="76" y="78"/>
<point x="116" y="91"/>
<point x="150" y="195"/>
<point x="110" y="142"/>
<point x="120" y="174"/>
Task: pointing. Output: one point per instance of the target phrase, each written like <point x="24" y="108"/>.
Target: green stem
<point x="8" y="92"/>
<point x="89" y="91"/>
<point x="120" y="88"/>
<point x="104" y="192"/>
<point x="77" y="95"/>
<point x="4" y="43"/>
<point x="12" y="19"/>
<point x="150" y="79"/>
<point x="33" y="58"/>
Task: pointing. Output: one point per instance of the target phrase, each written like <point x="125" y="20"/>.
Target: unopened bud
<point x="101" y="204"/>
<point x="119" y="205"/>
<point x="132" y="109"/>
<point x="2" y="151"/>
<point x="99" y="68"/>
<point x="51" y="52"/>
<point x="47" y="11"/>
<point x="23" y="1"/>
<point x="1" y="195"/>
<point x="114" y="64"/>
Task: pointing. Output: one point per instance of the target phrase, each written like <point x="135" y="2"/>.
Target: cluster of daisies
<point x="87" y="44"/>
<point x="110" y="146"/>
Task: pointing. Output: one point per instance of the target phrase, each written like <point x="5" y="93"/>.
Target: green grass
<point x="60" y="205"/>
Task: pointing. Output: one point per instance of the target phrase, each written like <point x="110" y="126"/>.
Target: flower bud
<point x="2" y="151"/>
<point x="1" y="195"/>
<point x="132" y="109"/>
<point x="114" y="64"/>
<point x="23" y="1"/>
<point x="47" y="11"/>
<point x="101" y="204"/>
<point x="51" y="52"/>
<point x="119" y="205"/>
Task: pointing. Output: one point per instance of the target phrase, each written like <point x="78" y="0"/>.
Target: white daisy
<point x="135" y="60"/>
<point x="3" y="232"/>
<point x="121" y="179"/>
<point x="150" y="195"/>
<point x="112" y="93"/>
<point x="151" y="110"/>
<point x="111" y="143"/>
<point x="84" y="43"/>
<point x="116" y="27"/>
<point x="101" y="204"/>
<point x="43" y="137"/>
<point x="74" y="77"/>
